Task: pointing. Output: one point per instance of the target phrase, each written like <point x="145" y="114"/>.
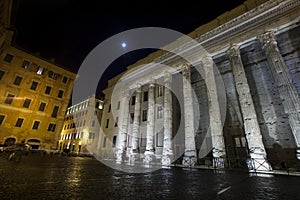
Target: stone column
<point x="122" y="134"/>
<point x="136" y="125"/>
<point x="216" y="127"/>
<point x="251" y="126"/>
<point x="190" y="155"/>
<point x="286" y="88"/>
<point x="150" y="125"/>
<point x="167" y="154"/>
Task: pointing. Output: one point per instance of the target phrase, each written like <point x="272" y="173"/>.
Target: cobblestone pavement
<point x="57" y="177"/>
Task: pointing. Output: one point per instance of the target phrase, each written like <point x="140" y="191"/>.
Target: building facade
<point x="233" y="104"/>
<point x="34" y="93"/>
<point x="80" y="133"/>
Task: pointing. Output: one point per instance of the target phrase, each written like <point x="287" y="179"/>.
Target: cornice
<point x="237" y="25"/>
<point x="187" y="46"/>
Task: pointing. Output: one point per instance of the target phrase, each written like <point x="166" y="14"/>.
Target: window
<point x="26" y="103"/>
<point x="55" y="111"/>
<point x="104" y="142"/>
<point x="36" y="125"/>
<point x="109" y="108"/>
<point x="34" y="85"/>
<point x="40" y="70"/>
<point x="18" y="80"/>
<point x="9" y="99"/>
<point x="51" y="127"/>
<point x="114" y="141"/>
<point x="159" y="90"/>
<point x="160" y="138"/>
<point x="240" y="141"/>
<point x="25" y="64"/>
<point x="65" y="79"/>
<point x="60" y="94"/>
<point x="52" y="75"/>
<point x="1" y="74"/>
<point x="145" y="96"/>
<point x="42" y="106"/>
<point x="48" y="89"/>
<point x="131" y="118"/>
<point x="93" y="123"/>
<point x="116" y="122"/>
<point x="107" y="123"/>
<point x="19" y="122"/>
<point x="8" y="57"/>
<point x="133" y="100"/>
<point x="144" y="117"/>
<point x="118" y="105"/>
<point x="159" y="112"/>
<point x="1" y="119"/>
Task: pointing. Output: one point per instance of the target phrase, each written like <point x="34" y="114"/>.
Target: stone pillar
<point x="216" y="127"/>
<point x="167" y="154"/>
<point x="150" y="125"/>
<point x="122" y="134"/>
<point x="136" y="125"/>
<point x="190" y="155"/>
<point x="286" y="88"/>
<point x="251" y="126"/>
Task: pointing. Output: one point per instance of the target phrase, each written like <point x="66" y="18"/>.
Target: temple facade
<point x="234" y="103"/>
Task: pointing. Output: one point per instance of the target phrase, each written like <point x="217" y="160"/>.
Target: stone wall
<point x="273" y="121"/>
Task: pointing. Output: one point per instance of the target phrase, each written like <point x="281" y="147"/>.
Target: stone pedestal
<point x="258" y="160"/>
<point x="148" y="157"/>
<point x="133" y="157"/>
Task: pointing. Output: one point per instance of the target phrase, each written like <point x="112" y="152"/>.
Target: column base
<point x="189" y="158"/>
<point x="189" y="161"/>
<point x="133" y="157"/>
<point x="167" y="159"/>
<point x="258" y="161"/>
<point x="120" y="155"/>
<point x="148" y="157"/>
<point x="298" y="154"/>
<point x="218" y="158"/>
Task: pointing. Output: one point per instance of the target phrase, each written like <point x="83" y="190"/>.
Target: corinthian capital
<point x="207" y="60"/>
<point x="167" y="77"/>
<point x="234" y="51"/>
<point x="138" y="88"/>
<point x="268" y="42"/>
<point x="185" y="70"/>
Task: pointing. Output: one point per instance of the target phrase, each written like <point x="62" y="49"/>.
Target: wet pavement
<point x="58" y="177"/>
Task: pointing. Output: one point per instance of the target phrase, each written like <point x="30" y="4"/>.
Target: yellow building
<point x="34" y="93"/>
<point x="81" y="127"/>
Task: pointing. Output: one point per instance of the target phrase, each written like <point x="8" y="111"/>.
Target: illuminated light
<point x="124" y="44"/>
<point x="40" y="71"/>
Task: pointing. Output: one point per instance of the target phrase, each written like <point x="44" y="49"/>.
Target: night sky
<point x="68" y="30"/>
